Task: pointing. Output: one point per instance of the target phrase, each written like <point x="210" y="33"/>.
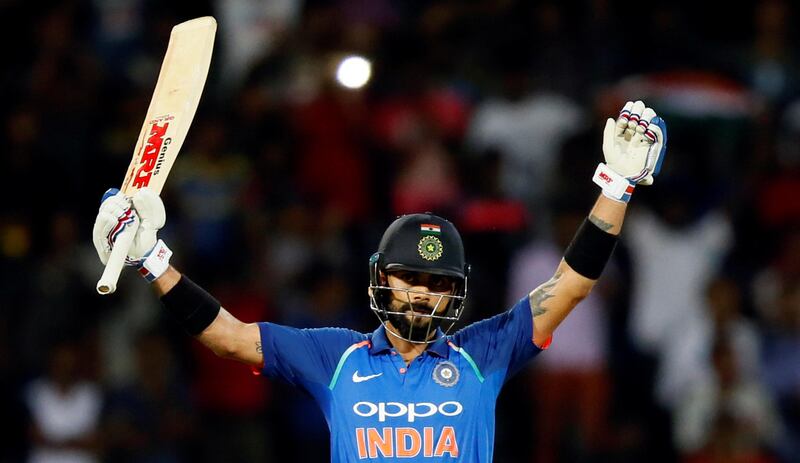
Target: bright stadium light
<point x="353" y="72"/>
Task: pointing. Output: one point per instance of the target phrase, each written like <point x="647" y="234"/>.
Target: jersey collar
<point x="380" y="343"/>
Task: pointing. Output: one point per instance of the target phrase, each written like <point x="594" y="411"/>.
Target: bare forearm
<point x="608" y="215"/>
<point x="167" y="281"/>
<point x="226" y="336"/>
<point x="230" y="338"/>
<point x="552" y="301"/>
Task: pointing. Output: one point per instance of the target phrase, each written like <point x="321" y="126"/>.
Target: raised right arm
<point x="197" y="311"/>
<point x="226" y="336"/>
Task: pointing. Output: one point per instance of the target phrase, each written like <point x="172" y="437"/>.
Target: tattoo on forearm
<point x="601" y="224"/>
<point x="543" y="293"/>
<point x="258" y="347"/>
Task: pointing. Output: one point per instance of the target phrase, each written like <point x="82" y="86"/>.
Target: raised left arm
<point x="634" y="147"/>
<point x="553" y="300"/>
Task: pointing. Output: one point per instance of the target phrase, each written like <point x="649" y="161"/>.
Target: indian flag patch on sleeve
<point x="430" y="229"/>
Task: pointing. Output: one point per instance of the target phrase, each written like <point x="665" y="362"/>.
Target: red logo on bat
<point x="150" y="156"/>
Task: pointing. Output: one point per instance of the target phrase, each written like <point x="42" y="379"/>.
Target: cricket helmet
<point x="424" y="243"/>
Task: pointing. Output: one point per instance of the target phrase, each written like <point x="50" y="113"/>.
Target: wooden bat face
<point x="175" y="100"/>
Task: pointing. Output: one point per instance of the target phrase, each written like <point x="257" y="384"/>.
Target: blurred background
<point x="321" y="122"/>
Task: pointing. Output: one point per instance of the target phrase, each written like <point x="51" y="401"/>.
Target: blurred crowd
<point x="487" y="112"/>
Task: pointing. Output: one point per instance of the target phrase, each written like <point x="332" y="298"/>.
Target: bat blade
<point x="172" y="108"/>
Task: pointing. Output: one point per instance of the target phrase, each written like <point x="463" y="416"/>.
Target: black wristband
<point x="191" y="306"/>
<point x="590" y="250"/>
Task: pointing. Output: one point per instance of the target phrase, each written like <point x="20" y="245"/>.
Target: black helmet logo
<point x="430" y="248"/>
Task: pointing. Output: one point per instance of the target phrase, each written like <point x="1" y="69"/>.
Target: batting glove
<point x="121" y="214"/>
<point x="634" y="147"/>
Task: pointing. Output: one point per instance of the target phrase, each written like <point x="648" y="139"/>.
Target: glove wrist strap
<point x="614" y="185"/>
<point x="156" y="262"/>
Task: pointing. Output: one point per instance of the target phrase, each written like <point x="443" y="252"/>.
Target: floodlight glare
<point x="354" y="72"/>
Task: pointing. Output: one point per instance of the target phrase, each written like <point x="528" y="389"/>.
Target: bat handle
<point x="107" y="283"/>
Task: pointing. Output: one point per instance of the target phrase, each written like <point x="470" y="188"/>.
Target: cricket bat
<point x="175" y="99"/>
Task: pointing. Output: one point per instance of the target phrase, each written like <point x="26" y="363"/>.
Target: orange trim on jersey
<point x="361" y="344"/>
<point x="545" y="344"/>
<point x="257" y="370"/>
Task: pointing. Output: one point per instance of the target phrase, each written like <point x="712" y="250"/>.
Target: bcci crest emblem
<point x="430" y="248"/>
<point x="445" y="374"/>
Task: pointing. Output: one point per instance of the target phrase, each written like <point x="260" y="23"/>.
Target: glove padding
<point x="153" y="216"/>
<point x="634" y="144"/>
<point x="116" y="215"/>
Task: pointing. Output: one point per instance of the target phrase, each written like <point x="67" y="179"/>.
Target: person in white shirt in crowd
<point x="64" y="409"/>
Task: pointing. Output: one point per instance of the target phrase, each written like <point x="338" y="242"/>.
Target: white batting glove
<point x="117" y="214"/>
<point x="150" y="208"/>
<point x="151" y="212"/>
<point x="114" y="218"/>
<point x="634" y="147"/>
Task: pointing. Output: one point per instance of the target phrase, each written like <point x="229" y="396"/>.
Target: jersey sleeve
<point x="303" y="356"/>
<point x="503" y="343"/>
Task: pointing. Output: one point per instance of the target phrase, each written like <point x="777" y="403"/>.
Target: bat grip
<point x="107" y="283"/>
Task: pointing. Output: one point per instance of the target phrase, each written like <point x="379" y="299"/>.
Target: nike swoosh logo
<point x="358" y="379"/>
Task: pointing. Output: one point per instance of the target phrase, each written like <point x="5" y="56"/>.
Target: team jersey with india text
<point x="441" y="407"/>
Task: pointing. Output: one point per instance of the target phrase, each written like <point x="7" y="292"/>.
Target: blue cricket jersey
<point x="441" y="407"/>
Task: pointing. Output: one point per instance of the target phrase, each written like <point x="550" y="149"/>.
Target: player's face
<point x="419" y="294"/>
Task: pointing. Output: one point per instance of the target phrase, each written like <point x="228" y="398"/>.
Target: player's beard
<point x="414" y="327"/>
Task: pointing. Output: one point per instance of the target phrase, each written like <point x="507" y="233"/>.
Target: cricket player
<point x="410" y="390"/>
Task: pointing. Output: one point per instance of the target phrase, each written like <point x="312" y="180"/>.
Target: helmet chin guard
<point x="417" y="323"/>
